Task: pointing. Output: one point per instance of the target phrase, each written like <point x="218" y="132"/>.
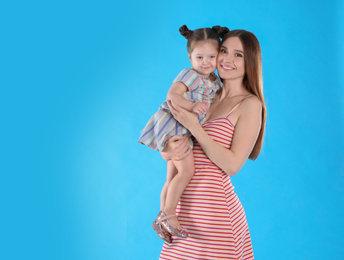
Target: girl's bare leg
<point x="171" y="172"/>
<point x="177" y="185"/>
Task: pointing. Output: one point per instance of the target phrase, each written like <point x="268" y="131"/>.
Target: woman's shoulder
<point x="251" y="103"/>
<point x="250" y="98"/>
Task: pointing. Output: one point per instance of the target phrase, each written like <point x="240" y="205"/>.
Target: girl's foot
<point x="160" y="231"/>
<point x="171" y="224"/>
<point x="173" y="220"/>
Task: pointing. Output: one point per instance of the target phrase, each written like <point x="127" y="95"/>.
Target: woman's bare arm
<point x="246" y="132"/>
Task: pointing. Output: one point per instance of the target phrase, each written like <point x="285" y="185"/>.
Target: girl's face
<point x="230" y="61"/>
<point x="203" y="57"/>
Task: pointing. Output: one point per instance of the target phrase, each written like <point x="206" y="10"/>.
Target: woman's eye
<point x="238" y="55"/>
<point x="223" y="51"/>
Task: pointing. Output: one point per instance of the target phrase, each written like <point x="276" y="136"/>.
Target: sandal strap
<point x="167" y="217"/>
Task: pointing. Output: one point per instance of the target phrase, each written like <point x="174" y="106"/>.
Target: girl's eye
<point x="212" y="57"/>
<point x="199" y="57"/>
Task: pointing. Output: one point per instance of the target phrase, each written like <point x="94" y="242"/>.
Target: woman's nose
<point x="228" y="58"/>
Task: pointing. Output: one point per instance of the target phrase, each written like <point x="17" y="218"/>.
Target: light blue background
<point x="79" y="80"/>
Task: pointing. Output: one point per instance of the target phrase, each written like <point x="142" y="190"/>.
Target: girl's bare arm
<point x="175" y="94"/>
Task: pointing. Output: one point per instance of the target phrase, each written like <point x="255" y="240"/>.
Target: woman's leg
<point x="171" y="172"/>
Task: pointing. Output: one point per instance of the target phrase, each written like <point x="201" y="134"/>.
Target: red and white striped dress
<point x="210" y="209"/>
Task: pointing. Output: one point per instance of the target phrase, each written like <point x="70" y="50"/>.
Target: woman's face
<point x="230" y="61"/>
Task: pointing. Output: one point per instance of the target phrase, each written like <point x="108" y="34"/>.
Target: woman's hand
<point x="177" y="148"/>
<point x="186" y="118"/>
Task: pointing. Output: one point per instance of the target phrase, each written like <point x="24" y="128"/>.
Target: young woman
<point x="233" y="132"/>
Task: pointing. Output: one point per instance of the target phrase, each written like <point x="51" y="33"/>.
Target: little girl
<point x="193" y="89"/>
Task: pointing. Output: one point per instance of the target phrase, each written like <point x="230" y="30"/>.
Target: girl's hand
<point x="177" y="148"/>
<point x="200" y="107"/>
<point x="186" y="118"/>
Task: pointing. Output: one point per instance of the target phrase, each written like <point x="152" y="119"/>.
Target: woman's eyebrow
<point x="234" y="50"/>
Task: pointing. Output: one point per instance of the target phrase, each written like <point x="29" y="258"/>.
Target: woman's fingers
<point x="184" y="143"/>
<point x="185" y="146"/>
<point x="181" y="147"/>
<point x="177" y="148"/>
<point x="175" y="138"/>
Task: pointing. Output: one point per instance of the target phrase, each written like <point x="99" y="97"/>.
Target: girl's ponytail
<point x="202" y="34"/>
<point x="184" y="30"/>
<point x="221" y="31"/>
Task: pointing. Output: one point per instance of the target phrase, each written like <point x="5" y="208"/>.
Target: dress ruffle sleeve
<point x="189" y="77"/>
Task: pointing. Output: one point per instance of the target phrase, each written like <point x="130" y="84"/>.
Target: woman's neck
<point x="233" y="88"/>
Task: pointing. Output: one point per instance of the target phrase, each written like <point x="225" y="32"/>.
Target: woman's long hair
<point x="253" y="79"/>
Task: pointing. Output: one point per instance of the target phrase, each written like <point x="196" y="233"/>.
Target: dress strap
<point x="235" y="107"/>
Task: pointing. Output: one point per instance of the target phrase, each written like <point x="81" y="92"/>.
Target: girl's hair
<point x="202" y="34"/>
<point x="253" y="79"/>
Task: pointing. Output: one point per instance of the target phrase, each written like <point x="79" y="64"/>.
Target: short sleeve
<point x="189" y="77"/>
<point x="217" y="82"/>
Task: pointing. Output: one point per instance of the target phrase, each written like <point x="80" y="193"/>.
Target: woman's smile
<point x="227" y="67"/>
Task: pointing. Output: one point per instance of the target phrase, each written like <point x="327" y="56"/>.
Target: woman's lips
<point x="226" y="67"/>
